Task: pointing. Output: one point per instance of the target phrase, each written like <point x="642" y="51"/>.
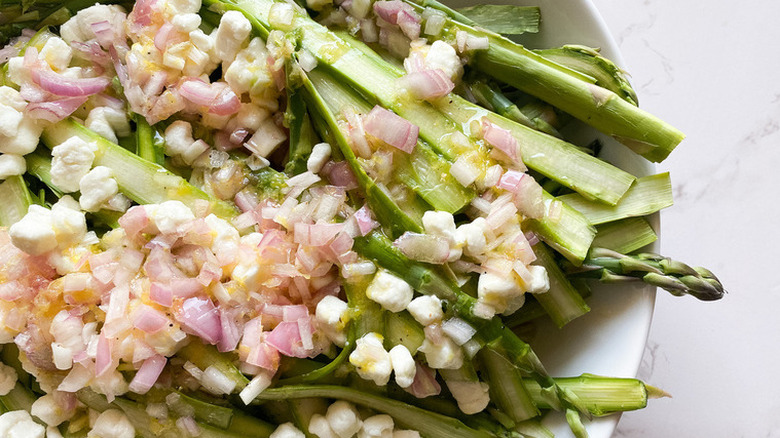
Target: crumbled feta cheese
<point x="71" y="160"/>
<point x="19" y="424"/>
<point x="9" y="96"/>
<point x="391" y="292"/>
<point x="331" y="317"/>
<point x="439" y="223"/>
<point x="112" y="423"/>
<point x="186" y="22"/>
<point x="179" y="142"/>
<point x="168" y="216"/>
<point x="233" y="31"/>
<point x="79" y="28"/>
<point x="444" y="57"/>
<point x="177" y="7"/>
<point x="442" y="355"/>
<point x="248" y="71"/>
<point x="320" y="154"/>
<point x="250" y="117"/>
<point x="34" y="234"/>
<point x="24" y="141"/>
<point x="10" y="119"/>
<point x="344" y="419"/>
<point x="8" y="379"/>
<point x="371" y="360"/>
<point x="319" y="426"/>
<point x="97" y="187"/>
<point x="404" y="366"/>
<point x="48" y="410"/>
<point x="501" y="292"/>
<point x="53" y="432"/>
<point x="57" y="53"/>
<point x="108" y="122"/>
<point x="377" y="426"/>
<point x="540" y="281"/>
<point x="471" y="237"/>
<point x="472" y="396"/>
<point x="68" y="221"/>
<point x="11" y="165"/>
<point x="287" y="430"/>
<point x="426" y="309"/>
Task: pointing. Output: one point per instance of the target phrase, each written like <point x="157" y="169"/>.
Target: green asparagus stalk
<point x="140" y="180"/>
<point x="648" y="195"/>
<point x="625" y="236"/>
<point x="588" y="60"/>
<point x="507" y="389"/>
<point x="423" y="170"/>
<point x="675" y="277"/>
<point x="429" y="424"/>
<point x="375" y="77"/>
<point x="15" y="199"/>
<point x="302" y="135"/>
<point x="562" y="302"/>
<point x="571" y="234"/>
<point x="148" y="144"/>
<point x="492" y="98"/>
<point x="599" y="107"/>
<point x="601" y="395"/>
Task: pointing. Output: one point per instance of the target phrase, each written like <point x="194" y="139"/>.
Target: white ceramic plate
<point x="610" y="339"/>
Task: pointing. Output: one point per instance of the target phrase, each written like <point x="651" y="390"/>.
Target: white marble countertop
<point x="711" y="69"/>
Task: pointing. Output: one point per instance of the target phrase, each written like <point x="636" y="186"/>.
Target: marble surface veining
<point x="713" y="70"/>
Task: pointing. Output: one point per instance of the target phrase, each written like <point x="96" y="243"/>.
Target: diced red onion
<point x="230" y="332"/>
<point x="148" y="374"/>
<point x="365" y="221"/>
<point x="60" y="85"/>
<point x="103" y="356"/>
<point x="458" y="330"/>
<point x="186" y="287"/>
<point x="161" y="294"/>
<point x="501" y="215"/>
<point x="423" y="247"/>
<point x="341" y="244"/>
<point x="424" y="383"/>
<point x="428" y="84"/>
<point x="392" y="129"/>
<point x="511" y="181"/>
<point x="149" y="319"/>
<point x="286" y="337"/>
<point x="200" y="317"/>
<point x="409" y="22"/>
<point x="500" y="138"/>
<point x="189" y="425"/>
<point x="340" y="174"/>
<point x="56" y="110"/>
<point x="294" y="312"/>
<point x="389" y="10"/>
<point x="134" y="221"/>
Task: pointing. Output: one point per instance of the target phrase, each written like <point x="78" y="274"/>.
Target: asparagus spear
<point x="571" y="234"/>
<point x="373" y="76"/>
<point x="648" y="195"/>
<point x="15" y="199"/>
<point x="599" y="107"/>
<point x="624" y="236"/>
<point x="428" y="423"/>
<point x="140" y="180"/>
<point x="588" y="60"/>
<point x="675" y="277"/>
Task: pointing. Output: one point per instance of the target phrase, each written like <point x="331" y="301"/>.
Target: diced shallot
<point x="200" y="317"/>
<point x="500" y="138"/>
<point x="148" y="374"/>
<point x="392" y="129"/>
<point x="428" y="84"/>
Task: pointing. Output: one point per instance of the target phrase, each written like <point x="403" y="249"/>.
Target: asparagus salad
<point x="260" y="218"/>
